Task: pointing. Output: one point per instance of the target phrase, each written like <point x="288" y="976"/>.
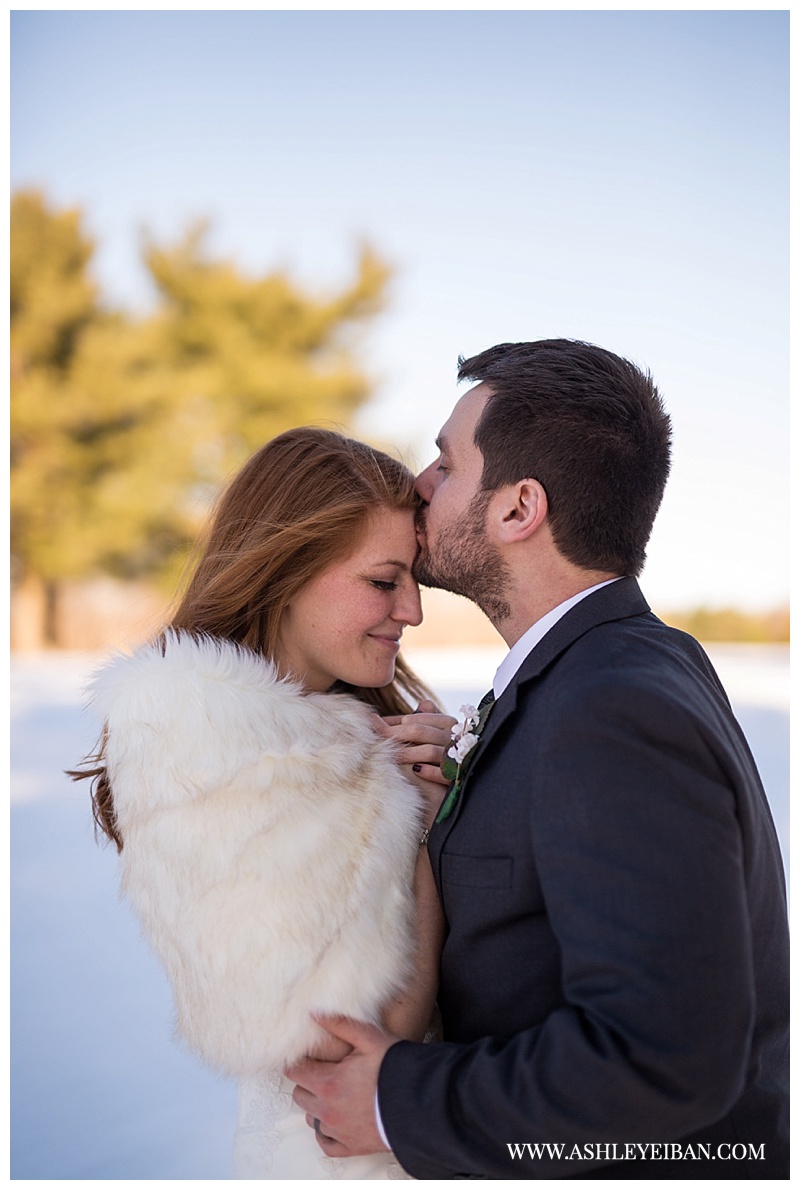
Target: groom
<point x="614" y="976"/>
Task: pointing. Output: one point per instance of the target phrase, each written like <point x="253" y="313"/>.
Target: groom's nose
<point x="424" y="483"/>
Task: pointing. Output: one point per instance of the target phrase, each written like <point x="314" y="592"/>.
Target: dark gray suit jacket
<point x="616" y="963"/>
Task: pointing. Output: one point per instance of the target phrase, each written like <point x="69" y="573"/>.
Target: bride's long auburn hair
<point x="299" y="504"/>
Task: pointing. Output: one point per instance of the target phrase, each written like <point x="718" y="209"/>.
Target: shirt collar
<point x="529" y="640"/>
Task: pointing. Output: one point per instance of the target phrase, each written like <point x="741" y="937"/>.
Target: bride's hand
<point x="422" y="739"/>
<point x="433" y="793"/>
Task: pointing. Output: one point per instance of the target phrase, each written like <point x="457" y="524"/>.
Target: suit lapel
<point x="617" y="601"/>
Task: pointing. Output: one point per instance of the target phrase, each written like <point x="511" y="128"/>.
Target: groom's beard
<point x="465" y="562"/>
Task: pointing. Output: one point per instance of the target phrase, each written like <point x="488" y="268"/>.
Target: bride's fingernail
<point x="417" y="768"/>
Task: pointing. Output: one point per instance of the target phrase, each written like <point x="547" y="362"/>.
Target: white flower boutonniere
<point x="465" y="735"/>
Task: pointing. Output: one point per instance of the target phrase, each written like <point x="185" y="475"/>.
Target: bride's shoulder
<point x="179" y="670"/>
<point x="180" y="658"/>
<point x="211" y="692"/>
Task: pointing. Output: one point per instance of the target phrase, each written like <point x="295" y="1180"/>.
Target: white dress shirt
<point x="507" y="670"/>
<point x="512" y="661"/>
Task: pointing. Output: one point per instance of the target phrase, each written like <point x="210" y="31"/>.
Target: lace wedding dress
<point x="273" y="1139"/>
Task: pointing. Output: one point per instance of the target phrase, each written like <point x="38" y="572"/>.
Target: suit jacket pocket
<point x="477" y="871"/>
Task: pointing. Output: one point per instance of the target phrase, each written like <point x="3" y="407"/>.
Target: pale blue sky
<point x="617" y="176"/>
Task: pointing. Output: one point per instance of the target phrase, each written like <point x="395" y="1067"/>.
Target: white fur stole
<point x="269" y="846"/>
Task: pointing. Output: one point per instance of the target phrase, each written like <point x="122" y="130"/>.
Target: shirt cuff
<point x="379" y="1122"/>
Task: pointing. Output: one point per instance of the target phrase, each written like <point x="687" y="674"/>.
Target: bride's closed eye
<point x="384" y="584"/>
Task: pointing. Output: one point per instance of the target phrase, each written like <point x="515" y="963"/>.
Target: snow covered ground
<point x="99" y="1089"/>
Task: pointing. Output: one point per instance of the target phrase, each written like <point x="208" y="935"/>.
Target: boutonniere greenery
<point x="465" y="736"/>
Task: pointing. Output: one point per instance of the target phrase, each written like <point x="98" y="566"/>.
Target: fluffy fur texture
<point x="269" y="846"/>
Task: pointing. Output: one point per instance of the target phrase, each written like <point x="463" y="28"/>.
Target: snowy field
<point x="99" y="1089"/>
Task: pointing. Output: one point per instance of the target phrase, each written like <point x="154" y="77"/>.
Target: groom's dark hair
<point x="591" y="428"/>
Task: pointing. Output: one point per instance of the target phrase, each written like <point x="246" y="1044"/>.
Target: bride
<point x="269" y="789"/>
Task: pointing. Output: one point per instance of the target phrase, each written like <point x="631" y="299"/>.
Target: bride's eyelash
<point x="384" y="584"/>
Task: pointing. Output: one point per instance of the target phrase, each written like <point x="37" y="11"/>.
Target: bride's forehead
<point x="389" y="532"/>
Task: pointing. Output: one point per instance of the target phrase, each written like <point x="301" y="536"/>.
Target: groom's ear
<point x="522" y="509"/>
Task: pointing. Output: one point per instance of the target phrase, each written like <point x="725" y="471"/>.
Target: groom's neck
<point x="538" y="587"/>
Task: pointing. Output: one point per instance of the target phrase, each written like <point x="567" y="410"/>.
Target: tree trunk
<point x="27" y="606"/>
<point x="51" y="626"/>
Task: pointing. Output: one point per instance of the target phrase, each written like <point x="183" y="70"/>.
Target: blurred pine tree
<point x="124" y="429"/>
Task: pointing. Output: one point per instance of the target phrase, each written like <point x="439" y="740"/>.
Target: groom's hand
<point x="340" y="1096"/>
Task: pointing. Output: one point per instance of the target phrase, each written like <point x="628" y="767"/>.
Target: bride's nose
<point x="408" y="607"/>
